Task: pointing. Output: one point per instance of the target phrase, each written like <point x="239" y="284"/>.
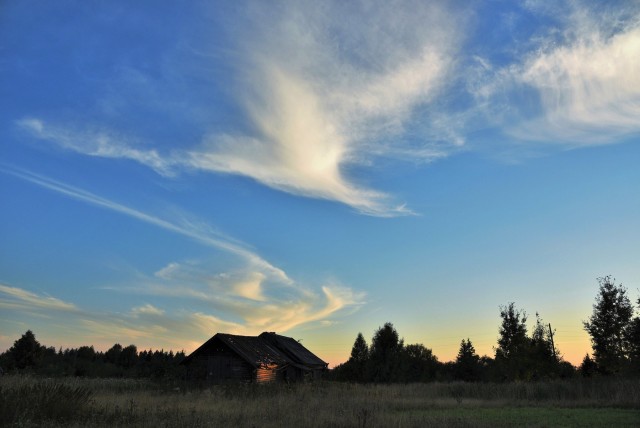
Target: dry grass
<point x="114" y="402"/>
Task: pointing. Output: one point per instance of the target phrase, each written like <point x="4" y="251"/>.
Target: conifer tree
<point x="26" y="352"/>
<point x="467" y="365"/>
<point x="386" y="348"/>
<point x="513" y="343"/>
<point x="608" y="326"/>
<point x="356" y="366"/>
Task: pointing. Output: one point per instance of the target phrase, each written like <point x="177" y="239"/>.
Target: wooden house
<point x="265" y="358"/>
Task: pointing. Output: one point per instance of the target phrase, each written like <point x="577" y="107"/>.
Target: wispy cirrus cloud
<point x="321" y="92"/>
<point x="18" y="298"/>
<point x="256" y="296"/>
<point x="589" y="90"/>
<point x="174" y="326"/>
<point x="99" y="143"/>
<point x="256" y="302"/>
<point x="197" y="232"/>
<point x="324" y="91"/>
<point x="579" y="86"/>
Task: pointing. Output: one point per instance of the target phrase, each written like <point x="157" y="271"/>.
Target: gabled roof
<point x="293" y="349"/>
<point x="252" y="349"/>
<point x="266" y="349"/>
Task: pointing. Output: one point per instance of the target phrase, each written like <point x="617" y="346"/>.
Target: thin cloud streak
<point x="102" y="143"/>
<point x="198" y="234"/>
<point x="19" y="298"/>
<point x="260" y="295"/>
<point x="177" y="328"/>
<point x="246" y="295"/>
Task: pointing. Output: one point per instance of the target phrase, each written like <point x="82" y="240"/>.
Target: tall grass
<point x="28" y="402"/>
<point x="122" y="402"/>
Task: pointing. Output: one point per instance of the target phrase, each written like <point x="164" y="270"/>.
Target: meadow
<point x="79" y="402"/>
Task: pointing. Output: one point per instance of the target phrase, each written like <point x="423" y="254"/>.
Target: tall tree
<point x="513" y="343"/>
<point x="588" y="367"/>
<point x="26" y="352"/>
<point x="113" y="354"/>
<point x="608" y="324"/>
<point x="513" y="332"/>
<point x="543" y="356"/>
<point x="632" y="335"/>
<point x="417" y="364"/>
<point x="385" y="353"/>
<point x="467" y="365"/>
<point x="360" y="350"/>
<point x="129" y="356"/>
<point x="355" y="368"/>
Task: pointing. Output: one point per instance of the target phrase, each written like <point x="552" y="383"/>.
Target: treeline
<point x="519" y="356"/>
<point x="27" y="355"/>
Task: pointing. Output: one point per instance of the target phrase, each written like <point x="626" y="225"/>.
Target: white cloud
<point x="248" y="297"/>
<point x="257" y="295"/>
<point x="19" y="298"/>
<point x="251" y="287"/>
<point x="146" y="309"/>
<point x="323" y="90"/>
<point x="209" y="324"/>
<point x="590" y="90"/>
<point x="178" y="328"/>
<point x="580" y="87"/>
<point x="102" y="143"/>
<point x="324" y="87"/>
<point x="168" y="271"/>
<point x="199" y="232"/>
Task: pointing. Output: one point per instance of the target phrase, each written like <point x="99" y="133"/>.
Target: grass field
<point x="26" y="401"/>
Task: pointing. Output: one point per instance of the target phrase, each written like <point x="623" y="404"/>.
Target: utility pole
<point x="553" y="346"/>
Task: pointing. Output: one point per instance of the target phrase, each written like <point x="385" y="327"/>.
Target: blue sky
<point x="169" y="171"/>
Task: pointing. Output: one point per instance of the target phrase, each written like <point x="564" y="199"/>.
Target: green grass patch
<point x="525" y="417"/>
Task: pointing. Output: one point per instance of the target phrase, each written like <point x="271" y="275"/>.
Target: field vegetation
<point x="80" y="402"/>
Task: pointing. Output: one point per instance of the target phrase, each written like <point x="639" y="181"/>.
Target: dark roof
<point x="268" y="348"/>
<point x="293" y="349"/>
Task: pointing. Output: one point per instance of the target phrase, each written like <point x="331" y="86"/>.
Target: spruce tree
<point x="608" y="326"/>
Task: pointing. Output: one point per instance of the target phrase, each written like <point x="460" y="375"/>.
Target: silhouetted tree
<point x="588" y="367"/>
<point x="26" y="352"/>
<point x="356" y="366"/>
<point x="543" y="356"/>
<point x="467" y="365"/>
<point x="632" y="335"/>
<point x="113" y="354"/>
<point x="513" y="343"/>
<point x="416" y="364"/>
<point x="128" y="357"/>
<point x="86" y="353"/>
<point x="607" y="325"/>
<point x="360" y="349"/>
<point x="385" y="352"/>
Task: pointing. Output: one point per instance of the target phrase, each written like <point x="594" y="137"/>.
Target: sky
<point x="170" y="170"/>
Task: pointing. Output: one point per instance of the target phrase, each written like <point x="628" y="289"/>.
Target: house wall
<point x="219" y="364"/>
